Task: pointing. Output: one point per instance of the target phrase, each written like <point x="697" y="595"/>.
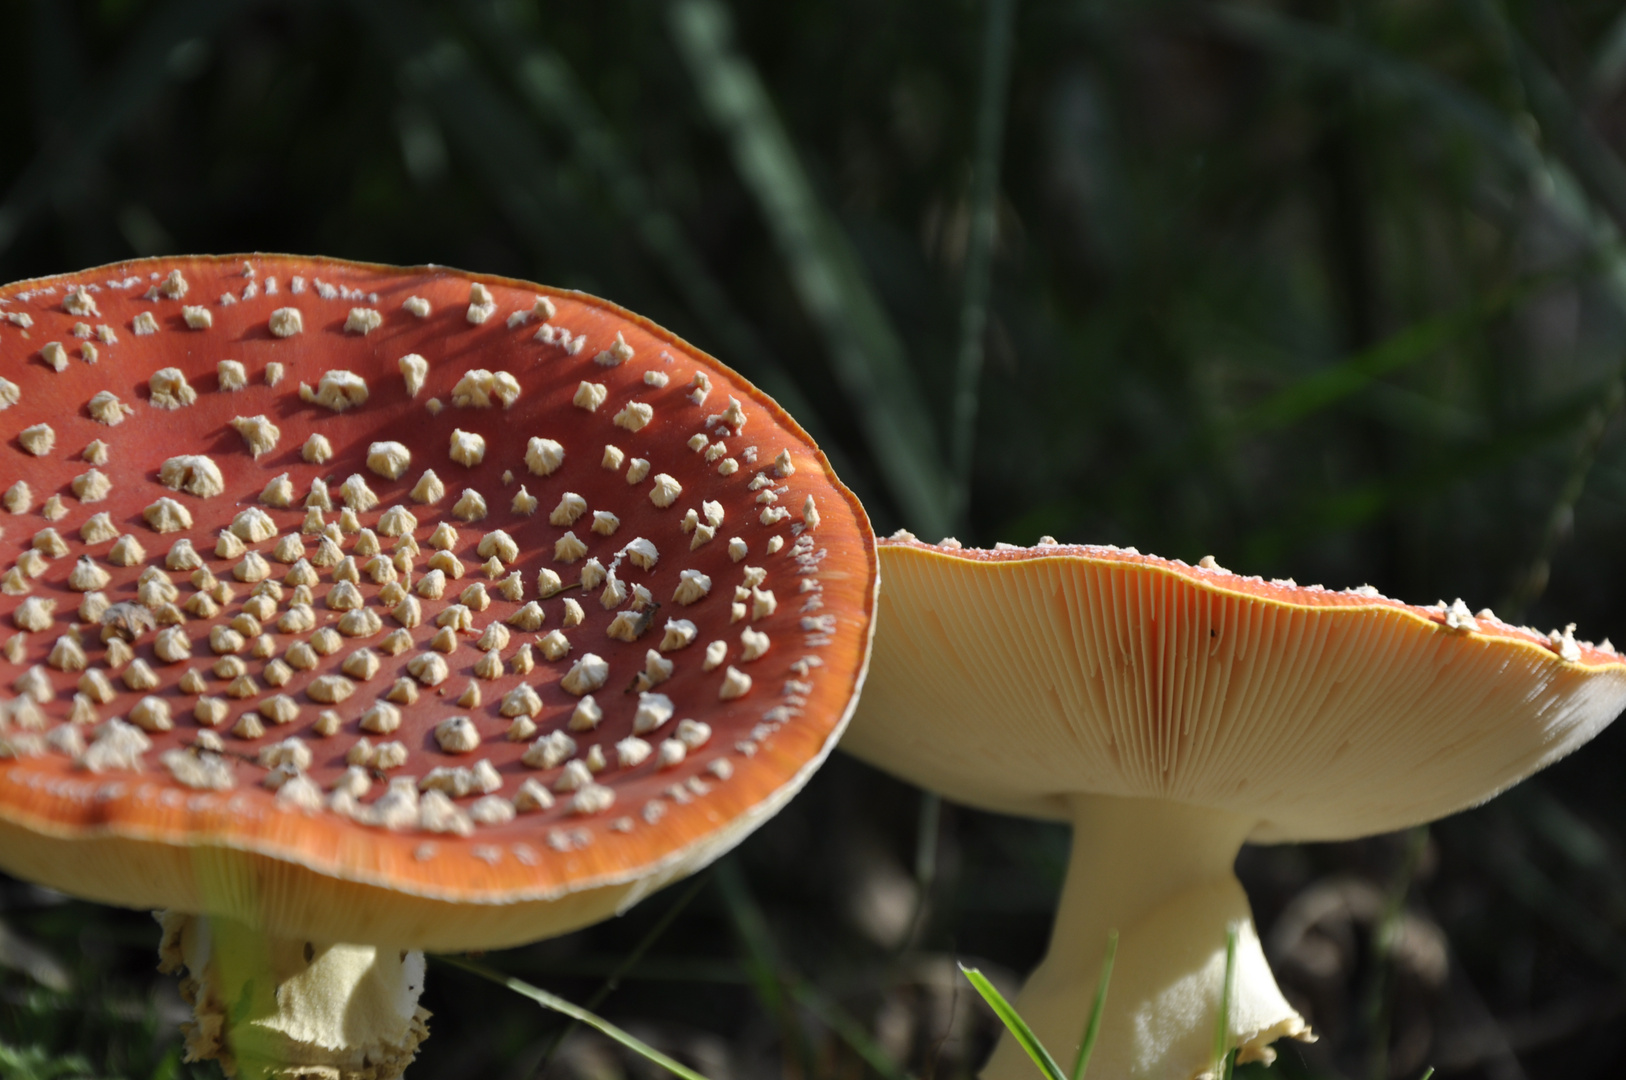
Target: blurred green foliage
<point x="1333" y="290"/>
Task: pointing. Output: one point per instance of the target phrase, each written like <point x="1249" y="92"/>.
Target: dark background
<point x="1330" y="291"/>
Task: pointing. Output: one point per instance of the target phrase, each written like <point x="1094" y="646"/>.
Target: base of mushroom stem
<point x="1160" y="874"/>
<point x="292" y="1009"/>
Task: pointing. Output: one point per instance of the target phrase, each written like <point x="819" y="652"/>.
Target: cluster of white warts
<point x="422" y="802"/>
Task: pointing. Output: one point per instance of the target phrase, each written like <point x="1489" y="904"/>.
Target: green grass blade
<point x="1222" y="1022"/>
<point x="761" y="959"/>
<point x="927" y="828"/>
<point x="575" y="1012"/>
<point x="998" y="32"/>
<point x="490" y="137"/>
<point x="1427" y="1073"/>
<point x="1014" y="1023"/>
<point x="627" y="963"/>
<point x="866" y="355"/>
<point x="846" y="1028"/>
<point x="1092" y="1030"/>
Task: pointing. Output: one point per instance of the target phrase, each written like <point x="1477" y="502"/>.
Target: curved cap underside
<point x="1012" y="679"/>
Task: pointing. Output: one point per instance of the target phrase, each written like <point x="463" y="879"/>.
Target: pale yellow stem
<point x="1160" y="873"/>
<point x="283" y="1008"/>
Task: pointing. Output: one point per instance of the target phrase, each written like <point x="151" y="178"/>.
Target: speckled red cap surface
<point x="400" y="605"/>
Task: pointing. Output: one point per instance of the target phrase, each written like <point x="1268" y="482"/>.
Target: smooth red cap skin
<point x="140" y="839"/>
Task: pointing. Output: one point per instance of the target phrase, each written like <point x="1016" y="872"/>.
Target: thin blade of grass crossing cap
<point x="1014" y="1024"/>
<point x="1223" y="1058"/>
<point x="1093" y="1029"/>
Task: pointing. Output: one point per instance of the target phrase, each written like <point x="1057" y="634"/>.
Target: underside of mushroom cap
<point x="337" y="597"/>
<point x="1015" y="677"/>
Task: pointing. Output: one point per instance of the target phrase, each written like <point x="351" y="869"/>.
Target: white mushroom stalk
<point x="1159" y="873"/>
<point x="287" y="1008"/>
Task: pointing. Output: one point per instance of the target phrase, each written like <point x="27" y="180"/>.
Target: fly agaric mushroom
<point x="1171" y="713"/>
<point x="300" y="655"/>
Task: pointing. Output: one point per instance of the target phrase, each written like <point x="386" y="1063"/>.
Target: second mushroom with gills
<point x="1171" y="713"/>
<point x="353" y="611"/>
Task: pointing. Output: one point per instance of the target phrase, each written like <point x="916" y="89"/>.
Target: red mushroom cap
<point x="284" y="530"/>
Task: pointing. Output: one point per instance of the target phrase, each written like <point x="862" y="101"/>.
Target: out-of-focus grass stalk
<point x="1602" y="175"/>
<point x="1356" y="504"/>
<point x="762" y="963"/>
<point x="142" y="71"/>
<point x="1379" y="1007"/>
<point x="627" y="963"/>
<point x="846" y="1027"/>
<point x="866" y="354"/>
<point x="1092" y="1029"/>
<point x="1532" y="581"/>
<point x="928" y="838"/>
<point x="1224" y="1056"/>
<point x="998" y="34"/>
<point x="1609" y="63"/>
<point x="774" y="984"/>
<point x="575" y="1012"/>
<point x="550" y="89"/>
<point x="1581" y="180"/>
<point x="484" y="129"/>
<point x="1318" y="391"/>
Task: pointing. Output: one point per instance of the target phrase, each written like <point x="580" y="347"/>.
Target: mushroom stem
<point x="1160" y="873"/>
<point x="288" y="1008"/>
